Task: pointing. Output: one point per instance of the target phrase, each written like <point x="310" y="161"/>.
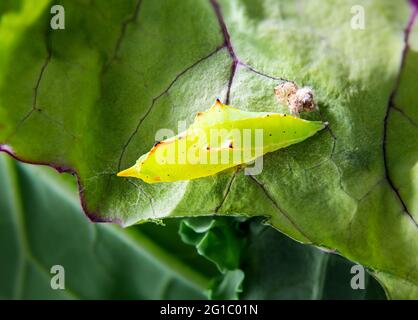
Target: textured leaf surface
<point x="260" y="263"/>
<point x="104" y="261"/>
<point x="92" y="96"/>
<point x="42" y="224"/>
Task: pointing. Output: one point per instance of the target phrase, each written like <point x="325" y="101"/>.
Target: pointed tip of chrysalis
<point x="322" y="125"/>
<point x="218" y="102"/>
<point x="130" y="172"/>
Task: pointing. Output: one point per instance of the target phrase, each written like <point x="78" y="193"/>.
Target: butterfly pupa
<point x="195" y="153"/>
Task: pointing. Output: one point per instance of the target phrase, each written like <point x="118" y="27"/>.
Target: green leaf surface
<point x="108" y="262"/>
<point x="42" y="225"/>
<point x="91" y="98"/>
<point x="264" y="264"/>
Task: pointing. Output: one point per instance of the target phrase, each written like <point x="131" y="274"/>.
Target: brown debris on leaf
<point x="297" y="99"/>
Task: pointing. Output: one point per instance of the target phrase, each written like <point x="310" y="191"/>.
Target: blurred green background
<point x="42" y="225"/>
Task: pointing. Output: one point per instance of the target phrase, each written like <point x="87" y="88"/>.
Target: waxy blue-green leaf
<point x="42" y="225"/>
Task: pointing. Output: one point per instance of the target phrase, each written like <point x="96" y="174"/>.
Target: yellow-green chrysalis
<point x="220" y="138"/>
